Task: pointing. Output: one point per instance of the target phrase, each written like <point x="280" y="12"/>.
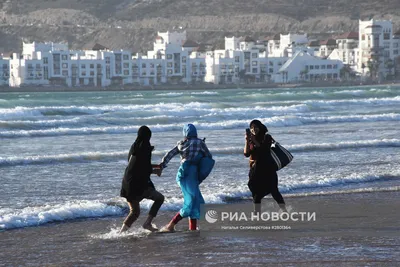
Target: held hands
<point x="158" y="172"/>
<point x="157" y="169"/>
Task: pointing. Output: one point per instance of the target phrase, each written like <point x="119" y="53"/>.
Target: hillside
<point x="133" y="24"/>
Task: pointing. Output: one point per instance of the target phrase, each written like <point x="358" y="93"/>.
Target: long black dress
<point x="137" y="174"/>
<point x="263" y="179"/>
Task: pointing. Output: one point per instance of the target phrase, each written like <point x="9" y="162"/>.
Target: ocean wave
<point x="190" y="108"/>
<point x="275" y="121"/>
<point x="61" y="158"/>
<point x="35" y="216"/>
<point x="118" y="155"/>
<point x="205" y="93"/>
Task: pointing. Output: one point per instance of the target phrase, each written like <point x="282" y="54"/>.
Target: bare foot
<point x="168" y="228"/>
<point x="124" y="228"/>
<point x="150" y="227"/>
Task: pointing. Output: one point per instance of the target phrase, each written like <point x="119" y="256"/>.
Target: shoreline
<point x="96" y="242"/>
<point x="180" y="87"/>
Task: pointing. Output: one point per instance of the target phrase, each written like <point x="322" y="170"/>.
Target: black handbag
<point x="280" y="155"/>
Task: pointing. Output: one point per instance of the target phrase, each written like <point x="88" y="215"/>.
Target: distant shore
<point x="166" y="87"/>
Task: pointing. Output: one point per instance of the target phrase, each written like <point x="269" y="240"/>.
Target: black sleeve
<point x="131" y="152"/>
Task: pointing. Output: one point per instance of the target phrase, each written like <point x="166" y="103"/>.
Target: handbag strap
<point x="273" y="140"/>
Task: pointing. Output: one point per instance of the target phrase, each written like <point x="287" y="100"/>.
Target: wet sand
<point x="96" y="242"/>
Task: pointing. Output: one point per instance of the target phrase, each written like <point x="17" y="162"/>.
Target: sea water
<point x="62" y="155"/>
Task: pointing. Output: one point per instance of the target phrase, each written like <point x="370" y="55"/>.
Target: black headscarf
<point x="263" y="129"/>
<point x="143" y="138"/>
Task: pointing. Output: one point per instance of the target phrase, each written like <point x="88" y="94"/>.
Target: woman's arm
<point x="172" y="153"/>
<point x="130" y="152"/>
<point x="205" y="150"/>
<point x="246" y="150"/>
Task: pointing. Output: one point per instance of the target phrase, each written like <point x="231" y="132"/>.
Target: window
<point x="271" y="70"/>
<point x="316" y="67"/>
<point x="169" y="71"/>
<point x="65" y="65"/>
<point x="271" y="63"/>
<point x="255" y="70"/>
<point x="254" y="55"/>
<point x="184" y="59"/>
<point x="83" y="66"/>
<point x="143" y="65"/>
<point x="329" y="67"/>
<point x="323" y="67"/>
<point x="151" y="65"/>
<point x="92" y="66"/>
<point x="37" y="66"/>
<point x="335" y="66"/>
<point x="254" y="63"/>
<point x="45" y="60"/>
<point x="107" y="60"/>
<point x="311" y="67"/>
<point x="126" y="65"/>
<point x="83" y="73"/>
<point x="126" y="72"/>
<point x="64" y="57"/>
<point x="108" y="72"/>
<point x="91" y="73"/>
<point x="237" y="58"/>
<point x="335" y="75"/>
<point x="126" y="57"/>
<point x="169" y="56"/>
<point x="169" y="64"/>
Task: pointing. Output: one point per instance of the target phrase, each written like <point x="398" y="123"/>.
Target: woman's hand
<point x="158" y="172"/>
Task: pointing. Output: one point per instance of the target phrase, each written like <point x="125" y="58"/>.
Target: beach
<point x="63" y="155"/>
<point x="96" y="242"/>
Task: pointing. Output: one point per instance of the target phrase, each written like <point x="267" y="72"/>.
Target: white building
<point x="26" y="71"/>
<point x="174" y="59"/>
<point x="4" y="71"/>
<point x="326" y="48"/>
<point x="375" y="47"/>
<point x="286" y="45"/>
<point x="243" y="59"/>
<point x="55" y="64"/>
<point x="347" y="49"/>
<point x="305" y="67"/>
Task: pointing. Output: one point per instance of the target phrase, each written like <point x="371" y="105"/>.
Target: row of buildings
<point x="372" y="52"/>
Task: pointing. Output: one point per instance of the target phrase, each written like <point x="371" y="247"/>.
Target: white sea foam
<point x="275" y="121"/>
<point x="115" y="234"/>
<point x="34" y="216"/>
<point x="205" y="93"/>
<point x="190" y="108"/>
<point x="115" y="155"/>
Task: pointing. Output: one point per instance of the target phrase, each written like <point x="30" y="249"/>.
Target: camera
<point x="248" y="131"/>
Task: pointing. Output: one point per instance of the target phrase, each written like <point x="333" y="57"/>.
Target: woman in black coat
<point x="263" y="178"/>
<point x="136" y="184"/>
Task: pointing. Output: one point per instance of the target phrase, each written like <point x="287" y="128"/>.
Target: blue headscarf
<point x="189" y="130"/>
